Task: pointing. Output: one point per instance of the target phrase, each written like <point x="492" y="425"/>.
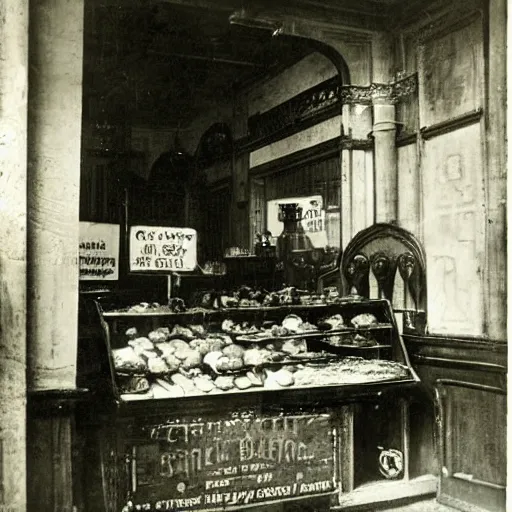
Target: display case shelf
<point x="383" y="344"/>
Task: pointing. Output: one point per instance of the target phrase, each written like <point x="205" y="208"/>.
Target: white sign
<point x="160" y="249"/>
<point x="313" y="218"/>
<point x="98" y="251"/>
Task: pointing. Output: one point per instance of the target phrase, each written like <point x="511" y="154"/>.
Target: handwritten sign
<point x="232" y="464"/>
<point x="98" y="251"/>
<point x="313" y="218"/>
<point x="160" y="249"/>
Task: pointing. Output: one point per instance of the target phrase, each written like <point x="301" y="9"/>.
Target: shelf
<point x="309" y="334"/>
<point x="365" y="387"/>
<point x="355" y="347"/>
<point x="201" y="311"/>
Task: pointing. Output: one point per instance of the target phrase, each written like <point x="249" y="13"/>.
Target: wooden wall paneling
<point x="454" y="227"/>
<point x="50" y="472"/>
<point x="408" y="185"/>
<point x="472" y="445"/>
<point x="346" y="197"/>
<point x="422" y="447"/>
<point x="359" y="197"/>
<point x="406" y="437"/>
<point x="451" y="70"/>
<point x="496" y="119"/>
<point x="370" y="188"/>
<point x="346" y="449"/>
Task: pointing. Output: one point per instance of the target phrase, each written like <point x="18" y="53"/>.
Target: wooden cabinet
<point x="334" y="437"/>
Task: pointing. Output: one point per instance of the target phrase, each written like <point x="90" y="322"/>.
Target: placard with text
<point x="231" y="464"/>
<point x="98" y="251"/>
<point x="162" y="249"/>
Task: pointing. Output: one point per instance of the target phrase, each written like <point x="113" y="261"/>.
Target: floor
<point x="422" y="506"/>
<point x="430" y="505"/>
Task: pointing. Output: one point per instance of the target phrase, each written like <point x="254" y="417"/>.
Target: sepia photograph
<point x="253" y="256"/>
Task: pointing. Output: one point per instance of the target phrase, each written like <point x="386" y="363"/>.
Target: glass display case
<point x="245" y="398"/>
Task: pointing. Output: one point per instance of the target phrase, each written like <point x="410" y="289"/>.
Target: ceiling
<point x="172" y="62"/>
<point x="164" y="61"/>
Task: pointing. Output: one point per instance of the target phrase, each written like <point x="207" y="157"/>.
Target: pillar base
<point x="50" y="428"/>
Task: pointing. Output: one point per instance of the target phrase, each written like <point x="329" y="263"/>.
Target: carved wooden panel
<point x="378" y="258"/>
<point x="454" y="231"/>
<point x="451" y="73"/>
<point x="472" y="445"/>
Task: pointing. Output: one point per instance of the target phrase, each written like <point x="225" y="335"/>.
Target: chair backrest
<point x="385" y="261"/>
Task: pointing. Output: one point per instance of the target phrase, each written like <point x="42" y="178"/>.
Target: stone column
<point x="13" y="220"/>
<point x="385" y="163"/>
<point x="54" y="128"/>
<point x="55" y="119"/>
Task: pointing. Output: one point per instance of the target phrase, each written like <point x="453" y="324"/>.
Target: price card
<point x="162" y="249"/>
<point x="98" y="250"/>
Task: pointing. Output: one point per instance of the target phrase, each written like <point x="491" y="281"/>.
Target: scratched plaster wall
<point x="13" y="219"/>
<point x="441" y="177"/>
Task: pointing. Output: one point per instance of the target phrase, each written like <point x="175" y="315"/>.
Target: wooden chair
<point x="384" y="261"/>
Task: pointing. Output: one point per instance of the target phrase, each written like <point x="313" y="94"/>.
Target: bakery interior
<point x="290" y="289"/>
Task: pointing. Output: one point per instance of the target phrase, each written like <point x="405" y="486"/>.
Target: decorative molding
<point x="351" y="94"/>
<point x="405" y="139"/>
<point x="316" y="105"/>
<point x="393" y="92"/>
<point x="405" y="87"/>
<point x="248" y="144"/>
<point x="467" y="342"/>
<point x="451" y="125"/>
<point x="460" y="364"/>
<point x="308" y="104"/>
<point x="55" y="401"/>
<point x="358" y="144"/>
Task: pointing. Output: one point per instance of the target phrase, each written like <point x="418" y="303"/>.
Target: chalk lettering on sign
<point x="214" y="484"/>
<point x="163" y="249"/>
<point x="243" y="460"/>
<point x="274" y="492"/>
<point x="98" y="250"/>
<point x="97" y="272"/>
<point x="93" y="246"/>
<point x="149" y="249"/>
<point x="316" y="487"/>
